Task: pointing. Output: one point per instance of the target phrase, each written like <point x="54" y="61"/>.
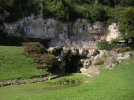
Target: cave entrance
<point x="72" y="64"/>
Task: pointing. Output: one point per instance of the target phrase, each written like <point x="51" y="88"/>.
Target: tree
<point x="126" y="23"/>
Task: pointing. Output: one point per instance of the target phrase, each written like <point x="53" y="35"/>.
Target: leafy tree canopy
<point x="126" y="23"/>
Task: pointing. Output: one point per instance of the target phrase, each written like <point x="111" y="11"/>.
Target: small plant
<point x="114" y="49"/>
<point x="104" y="56"/>
<point x="99" y="62"/>
<point x="115" y="61"/>
<point x="124" y="49"/>
<point x="66" y="81"/>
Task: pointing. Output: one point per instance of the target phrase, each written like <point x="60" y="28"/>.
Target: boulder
<point x="113" y="52"/>
<point x="127" y="55"/>
<point x="101" y="52"/>
<point x="108" y="66"/>
<point x="93" y="52"/>
<point x="82" y="53"/>
<point x="74" y="51"/>
<point x="83" y="70"/>
<point x="65" y="52"/>
<point x="94" y="70"/>
<point x="86" y="64"/>
<point x="107" y="61"/>
<point x="51" y="50"/>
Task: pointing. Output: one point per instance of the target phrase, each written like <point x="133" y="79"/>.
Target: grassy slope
<point x="116" y="84"/>
<point x="9" y="92"/>
<point x="14" y="64"/>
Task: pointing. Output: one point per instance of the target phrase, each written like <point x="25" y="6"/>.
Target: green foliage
<point x="97" y="12"/>
<point x="66" y="81"/>
<point x="105" y="46"/>
<point x="113" y="13"/>
<point x="100" y="62"/>
<point x="55" y="8"/>
<point x="126" y="23"/>
<point x="15" y="9"/>
<point x="37" y="52"/>
<point x="45" y="61"/>
<point x="16" y="64"/>
<point x="94" y="10"/>
<point x="115" y="40"/>
<point x="34" y="48"/>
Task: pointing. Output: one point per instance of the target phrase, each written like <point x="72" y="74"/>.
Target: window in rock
<point x="65" y="28"/>
<point x="45" y="23"/>
<point x="83" y="27"/>
<point x="47" y="31"/>
<point x="64" y="34"/>
<point x="27" y="19"/>
<point x="60" y="35"/>
<point x="80" y="30"/>
<point x="28" y="29"/>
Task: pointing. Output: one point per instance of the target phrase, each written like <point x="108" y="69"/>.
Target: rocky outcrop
<point x="90" y="59"/>
<point x="113" y="32"/>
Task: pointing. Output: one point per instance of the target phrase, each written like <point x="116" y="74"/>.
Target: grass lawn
<point x="115" y="84"/>
<point x="14" y="91"/>
<point x="14" y="64"/>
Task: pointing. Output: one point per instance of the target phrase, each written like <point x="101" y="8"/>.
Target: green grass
<point x="115" y="84"/>
<point x="14" y="64"/>
<point x="14" y="91"/>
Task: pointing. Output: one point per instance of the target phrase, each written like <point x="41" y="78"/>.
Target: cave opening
<point x="72" y="64"/>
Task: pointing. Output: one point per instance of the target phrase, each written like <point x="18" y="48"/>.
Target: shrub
<point x="128" y="48"/>
<point x="99" y="62"/>
<point x="114" y="49"/>
<point x="45" y="61"/>
<point x="105" y="45"/>
<point x="66" y="81"/>
<point x="124" y="49"/>
<point x="34" y="48"/>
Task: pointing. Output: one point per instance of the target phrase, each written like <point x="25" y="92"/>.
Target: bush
<point x="34" y="48"/>
<point x="105" y="46"/>
<point x="99" y="62"/>
<point x="45" y="61"/>
<point x="124" y="49"/>
<point x="66" y="81"/>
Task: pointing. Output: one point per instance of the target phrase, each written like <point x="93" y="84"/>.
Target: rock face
<point x="89" y="59"/>
<point x="113" y="32"/>
<point x="81" y="32"/>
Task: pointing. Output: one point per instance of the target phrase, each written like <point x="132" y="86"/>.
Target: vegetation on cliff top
<point x="94" y="10"/>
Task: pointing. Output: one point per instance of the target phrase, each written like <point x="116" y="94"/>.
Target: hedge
<point x="106" y="46"/>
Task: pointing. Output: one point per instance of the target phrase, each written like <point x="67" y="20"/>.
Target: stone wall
<point x="70" y="42"/>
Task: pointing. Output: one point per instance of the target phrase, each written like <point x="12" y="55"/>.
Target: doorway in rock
<point x="72" y="64"/>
